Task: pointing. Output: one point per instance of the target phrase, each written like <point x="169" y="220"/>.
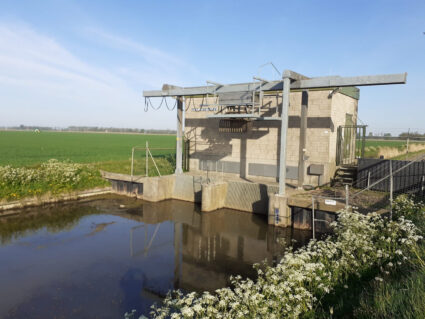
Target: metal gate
<point x="350" y="144"/>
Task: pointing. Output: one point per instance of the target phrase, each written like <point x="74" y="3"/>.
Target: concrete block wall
<point x="261" y="144"/>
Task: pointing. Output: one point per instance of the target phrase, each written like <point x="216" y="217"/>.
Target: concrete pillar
<point x="158" y="188"/>
<point x="279" y="211"/>
<point x="303" y="139"/>
<point x="283" y="131"/>
<point x="179" y="145"/>
<point x="213" y="196"/>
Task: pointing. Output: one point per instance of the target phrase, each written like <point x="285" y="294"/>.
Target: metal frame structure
<point x="348" y="151"/>
<point x="290" y="81"/>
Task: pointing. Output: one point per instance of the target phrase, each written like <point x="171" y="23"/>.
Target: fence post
<point x="347" y="196"/>
<point x="368" y="179"/>
<point x="391" y="189"/>
<point x="132" y="163"/>
<point x="423" y="184"/>
<point x="147" y="159"/>
<point x="313" y="217"/>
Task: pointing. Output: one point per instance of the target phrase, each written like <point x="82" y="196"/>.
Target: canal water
<point x="103" y="257"/>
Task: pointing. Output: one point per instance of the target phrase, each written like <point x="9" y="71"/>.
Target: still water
<point x="103" y="257"/>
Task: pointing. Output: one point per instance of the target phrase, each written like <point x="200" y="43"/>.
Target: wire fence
<point x="375" y="188"/>
<point x="147" y="161"/>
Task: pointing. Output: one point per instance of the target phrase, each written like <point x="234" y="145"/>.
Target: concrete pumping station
<point x="259" y="146"/>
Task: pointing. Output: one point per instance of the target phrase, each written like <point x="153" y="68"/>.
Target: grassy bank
<point x="51" y="177"/>
<point x="393" y="149"/>
<point x="399" y="291"/>
<point x="402" y="295"/>
<point x="55" y="177"/>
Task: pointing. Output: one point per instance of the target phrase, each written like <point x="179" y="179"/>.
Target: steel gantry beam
<point x="297" y="82"/>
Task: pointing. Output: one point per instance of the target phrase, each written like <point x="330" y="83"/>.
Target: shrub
<point x="52" y="176"/>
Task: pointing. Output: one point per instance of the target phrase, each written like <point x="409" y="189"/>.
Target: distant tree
<point x="411" y="134"/>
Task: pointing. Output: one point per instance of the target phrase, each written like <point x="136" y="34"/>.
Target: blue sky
<point x="87" y="62"/>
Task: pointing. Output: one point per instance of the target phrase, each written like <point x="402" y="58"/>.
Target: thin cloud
<point x="149" y="53"/>
<point x="44" y="83"/>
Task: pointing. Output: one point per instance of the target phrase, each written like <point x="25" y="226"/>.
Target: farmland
<point x="30" y="148"/>
<point x="26" y="167"/>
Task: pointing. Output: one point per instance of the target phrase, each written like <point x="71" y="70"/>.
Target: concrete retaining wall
<point x="283" y="211"/>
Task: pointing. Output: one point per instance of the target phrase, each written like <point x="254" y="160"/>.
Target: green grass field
<point x="30" y="148"/>
<point x="26" y="152"/>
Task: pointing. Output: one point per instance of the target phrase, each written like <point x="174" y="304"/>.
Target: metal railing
<point x="367" y="199"/>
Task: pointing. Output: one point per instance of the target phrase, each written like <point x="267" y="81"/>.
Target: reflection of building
<point x="208" y="248"/>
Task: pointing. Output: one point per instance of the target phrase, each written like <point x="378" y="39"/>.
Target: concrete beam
<point x="294" y="75"/>
<point x="337" y="81"/>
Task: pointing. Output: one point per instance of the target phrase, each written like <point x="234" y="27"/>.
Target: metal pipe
<point x="214" y="83"/>
<point x="260" y="79"/>
<point x="283" y="131"/>
<point x="147" y="158"/>
<point x="132" y="163"/>
<point x="154" y="163"/>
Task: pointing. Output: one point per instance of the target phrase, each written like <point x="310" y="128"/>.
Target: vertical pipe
<point x="147" y="159"/>
<point x="391" y="189"/>
<point x="347" y="196"/>
<point x="283" y="131"/>
<point x="179" y="157"/>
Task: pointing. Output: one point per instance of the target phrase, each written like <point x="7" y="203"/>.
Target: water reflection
<point x="104" y="257"/>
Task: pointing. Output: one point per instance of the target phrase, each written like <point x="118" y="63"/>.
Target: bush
<point x="53" y="176"/>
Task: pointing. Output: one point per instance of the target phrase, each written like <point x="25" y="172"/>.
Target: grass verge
<point x="56" y="177"/>
<point x="401" y="293"/>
